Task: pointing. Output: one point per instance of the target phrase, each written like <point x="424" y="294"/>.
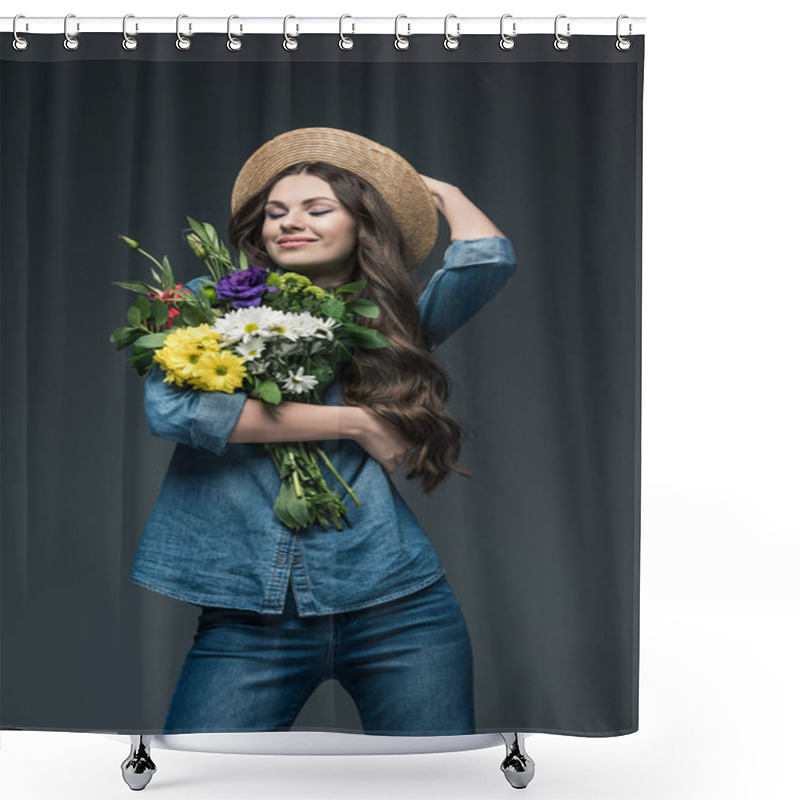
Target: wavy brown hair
<point x="402" y="384"/>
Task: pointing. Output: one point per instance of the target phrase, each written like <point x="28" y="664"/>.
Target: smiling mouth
<point x="289" y="245"/>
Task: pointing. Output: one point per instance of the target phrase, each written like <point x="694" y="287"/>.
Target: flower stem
<point x="334" y="471"/>
<point x="295" y="476"/>
<point x="154" y="260"/>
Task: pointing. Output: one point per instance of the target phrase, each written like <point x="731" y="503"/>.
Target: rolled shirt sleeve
<point x="473" y="272"/>
<point x="192" y="417"/>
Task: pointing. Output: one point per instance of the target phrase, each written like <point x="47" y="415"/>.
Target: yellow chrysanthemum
<point x="180" y="359"/>
<point x="200" y="335"/>
<point x="218" y="372"/>
<point x="172" y="376"/>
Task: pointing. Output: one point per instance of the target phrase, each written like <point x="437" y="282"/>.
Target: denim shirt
<point x="212" y="537"/>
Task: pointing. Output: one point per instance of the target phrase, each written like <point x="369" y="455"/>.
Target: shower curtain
<point x="539" y="546"/>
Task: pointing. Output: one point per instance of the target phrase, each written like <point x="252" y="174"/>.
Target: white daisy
<point x="325" y="327"/>
<point x="302" y="324"/>
<point x="245" y="324"/>
<point x="256" y="367"/>
<point x="279" y="327"/>
<point x="250" y="351"/>
<point x="299" y="383"/>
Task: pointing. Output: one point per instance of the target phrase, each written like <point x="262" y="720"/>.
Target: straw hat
<point x="397" y="181"/>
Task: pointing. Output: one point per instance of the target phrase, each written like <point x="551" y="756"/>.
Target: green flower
<point x="196" y="243"/>
<point x="130" y="242"/>
<point x="316" y="292"/>
<point x="293" y="280"/>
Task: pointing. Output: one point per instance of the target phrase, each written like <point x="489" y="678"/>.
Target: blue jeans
<point x="406" y="663"/>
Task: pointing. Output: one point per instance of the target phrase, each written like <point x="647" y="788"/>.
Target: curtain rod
<point x="597" y="26"/>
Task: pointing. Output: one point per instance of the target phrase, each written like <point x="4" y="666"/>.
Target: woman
<point x="371" y="605"/>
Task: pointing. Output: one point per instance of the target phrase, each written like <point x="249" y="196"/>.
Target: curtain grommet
<point x="507" y="42"/>
<point x="561" y="43"/>
<point x="71" y="42"/>
<point x="233" y="44"/>
<point x="346" y="42"/>
<point x="401" y="42"/>
<point x="182" y="42"/>
<point x="129" y="42"/>
<point x="451" y="42"/>
<point x="622" y="44"/>
<point x="20" y="42"/>
<point x="289" y="42"/>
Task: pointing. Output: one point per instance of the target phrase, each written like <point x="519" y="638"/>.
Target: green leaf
<point x="124" y="337"/>
<point x="136" y="286"/>
<point x="333" y="308"/>
<point x="168" y="273"/>
<point x="323" y="374"/>
<point x="141" y="362"/>
<point x="130" y="338"/>
<point x="211" y="233"/>
<point x="242" y="260"/>
<point x="364" y="307"/>
<point x="152" y="340"/>
<point x="160" y="311"/>
<point x="352" y="287"/>
<point x="194" y="315"/>
<point x="143" y="304"/>
<point x="269" y="392"/>
<point x="347" y="355"/>
<point x="134" y="315"/>
<point x="120" y="333"/>
<point x="367" y="338"/>
<point x="196" y="227"/>
<point x="290" y="508"/>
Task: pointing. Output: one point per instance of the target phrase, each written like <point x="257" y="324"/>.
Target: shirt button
<point x="282" y="560"/>
<point x="295" y="560"/>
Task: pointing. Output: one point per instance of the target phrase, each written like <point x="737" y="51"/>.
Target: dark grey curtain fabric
<point x="541" y="546"/>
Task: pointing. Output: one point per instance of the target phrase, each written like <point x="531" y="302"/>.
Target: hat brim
<point x="400" y="185"/>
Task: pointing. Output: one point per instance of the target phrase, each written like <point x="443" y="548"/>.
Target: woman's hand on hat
<point x="438" y="189"/>
<point x="383" y="441"/>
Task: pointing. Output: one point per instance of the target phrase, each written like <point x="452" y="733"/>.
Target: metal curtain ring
<point x="507" y="42"/>
<point x="128" y="42"/>
<point x="19" y="43"/>
<point x="400" y="42"/>
<point x="622" y="43"/>
<point x="70" y="42"/>
<point x="560" y="42"/>
<point x="233" y="43"/>
<point x="451" y="42"/>
<point x="182" y="43"/>
<point x="345" y="42"/>
<point x="288" y="42"/>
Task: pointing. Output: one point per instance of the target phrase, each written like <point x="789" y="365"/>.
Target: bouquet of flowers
<point x="276" y="335"/>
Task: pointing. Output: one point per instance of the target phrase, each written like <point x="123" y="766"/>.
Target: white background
<point x="719" y="595"/>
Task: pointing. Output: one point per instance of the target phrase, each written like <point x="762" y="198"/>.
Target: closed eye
<point x="313" y="213"/>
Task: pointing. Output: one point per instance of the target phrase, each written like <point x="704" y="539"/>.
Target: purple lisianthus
<point x="245" y="288"/>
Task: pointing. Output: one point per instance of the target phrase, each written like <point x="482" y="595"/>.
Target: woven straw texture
<point x="397" y="181"/>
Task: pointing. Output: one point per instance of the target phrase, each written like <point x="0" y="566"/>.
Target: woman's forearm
<point x="465" y="219"/>
<point x="296" y="422"/>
